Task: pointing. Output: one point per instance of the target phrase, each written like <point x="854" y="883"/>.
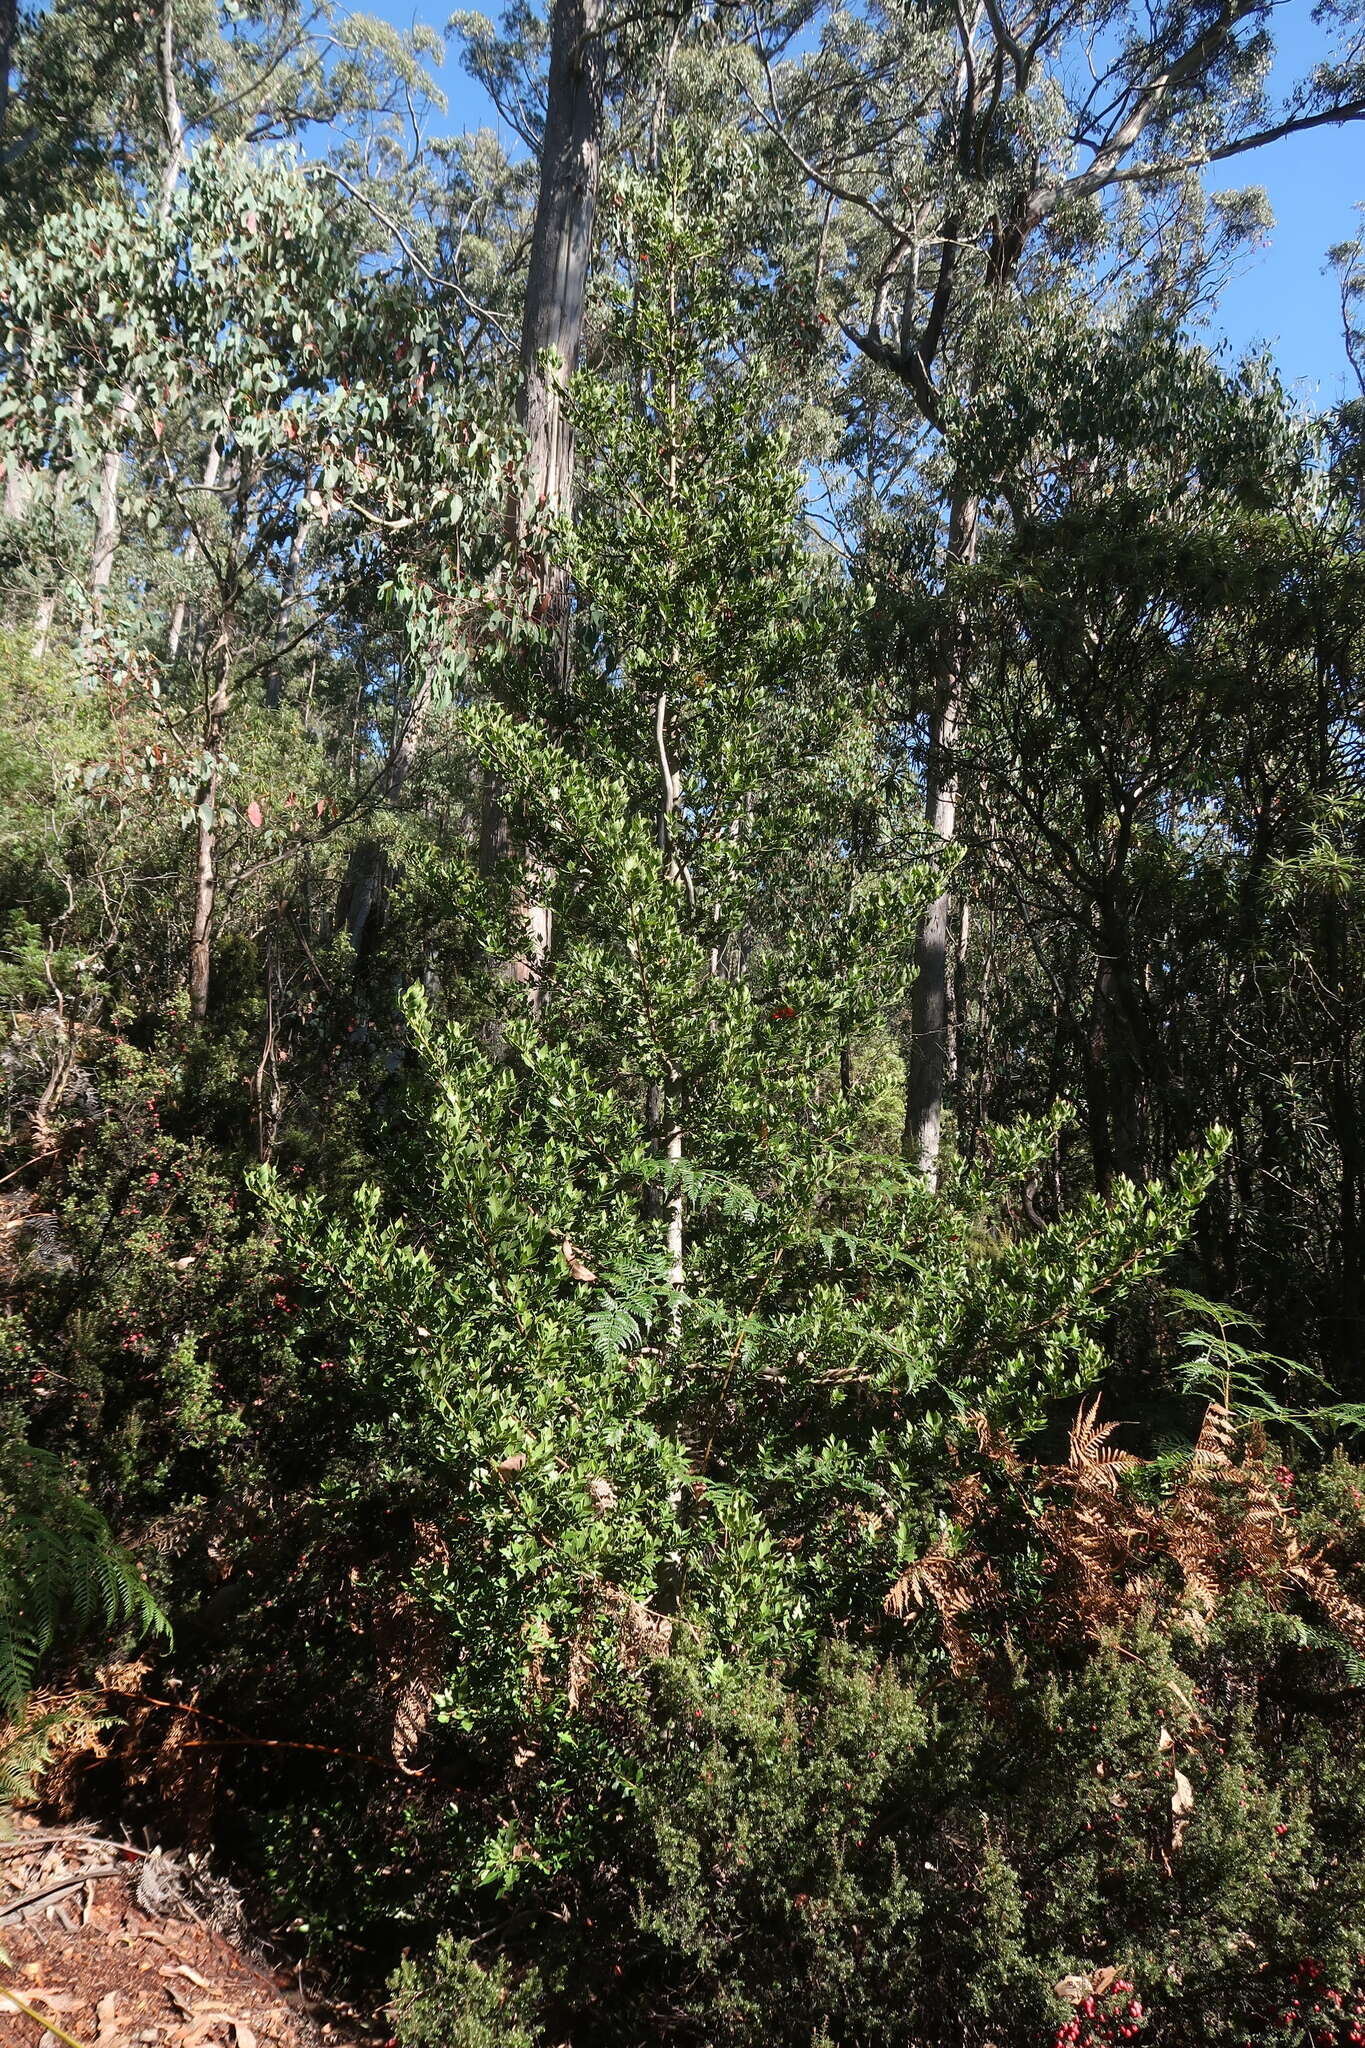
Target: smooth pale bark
<point x="211" y="466"/>
<point x="665" y="1101"/>
<point x="926" y="1063"/>
<point x="551" y="333"/>
<point x="107" y="510"/>
<point x="111" y="463"/>
<point x="18" y="490"/>
<point x="557" y="279"/>
<point x="42" y="623"/>
<point x="206" y="836"/>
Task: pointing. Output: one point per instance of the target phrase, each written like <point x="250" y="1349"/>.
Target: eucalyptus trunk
<point x="557" y="282"/>
<point x="927" y="1063"/>
<point x="206" y="833"/>
<point x="284" y="618"/>
<point x="111" y="463"/>
<point x="212" y="462"/>
<point x="551" y="333"/>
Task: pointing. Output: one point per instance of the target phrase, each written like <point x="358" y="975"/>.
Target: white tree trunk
<point x="927" y="1062"/>
<point x="177" y="627"/>
<point x="111" y="465"/>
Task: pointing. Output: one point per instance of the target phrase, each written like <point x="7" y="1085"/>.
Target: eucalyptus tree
<point x="973" y="168"/>
<point x="1162" y="791"/>
<point x="241" y="320"/>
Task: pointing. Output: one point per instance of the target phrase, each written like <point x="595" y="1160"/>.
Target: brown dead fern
<point x="1106" y="1556"/>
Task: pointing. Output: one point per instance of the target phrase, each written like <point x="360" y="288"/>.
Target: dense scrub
<point x="682" y="1207"/>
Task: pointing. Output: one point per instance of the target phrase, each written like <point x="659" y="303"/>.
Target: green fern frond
<point x="28" y="1749"/>
<point x="60" y="1568"/>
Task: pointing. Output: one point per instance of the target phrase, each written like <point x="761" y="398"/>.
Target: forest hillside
<point x="682" y="1014"/>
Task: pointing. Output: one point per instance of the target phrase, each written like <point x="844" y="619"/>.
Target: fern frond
<point x="60" y="1568"/>
<point x="48" y="1729"/>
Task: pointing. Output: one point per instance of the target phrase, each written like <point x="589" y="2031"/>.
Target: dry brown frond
<point x="1107" y="1557"/>
<point x="1093" y="1459"/>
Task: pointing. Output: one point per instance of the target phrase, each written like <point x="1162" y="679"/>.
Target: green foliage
<point x="849" y="1849"/>
<point x="60" y="1570"/>
<point x="454" y="2003"/>
<point x="458" y="970"/>
<point x="603" y="1465"/>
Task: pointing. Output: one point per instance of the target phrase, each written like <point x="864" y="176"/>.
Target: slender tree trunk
<point x="673" y="1206"/>
<point x="289" y="597"/>
<point x="46" y="610"/>
<point x="1116" y="1070"/>
<point x="111" y="466"/>
<point x="18" y="488"/>
<point x="957" y="1006"/>
<point x="42" y="623"/>
<point x="107" y="510"/>
<point x="177" y="627"/>
<point x="216" y="671"/>
<point x="551" y="332"/>
<point x="927" y="1062"/>
<point x="206" y="837"/>
<point x="665" y="1101"/>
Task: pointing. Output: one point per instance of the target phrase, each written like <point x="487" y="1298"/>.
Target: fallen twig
<point x="49" y="2025"/>
<point x="55" y="1889"/>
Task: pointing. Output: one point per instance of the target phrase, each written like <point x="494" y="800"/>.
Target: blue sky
<point x="1314" y="182"/>
<point x="1281" y="297"/>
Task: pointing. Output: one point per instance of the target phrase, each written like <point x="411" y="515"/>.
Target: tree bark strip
<point x="928" y="1050"/>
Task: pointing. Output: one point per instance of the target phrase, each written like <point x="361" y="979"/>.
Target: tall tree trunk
<point x="665" y="1099"/>
<point x="956" y="1051"/>
<point x="107" y="509"/>
<point x="1120" y="1061"/>
<point x="557" y="281"/>
<point x="289" y="597"/>
<point x="206" y="834"/>
<point x="42" y="623"/>
<point x="551" y="331"/>
<point x="111" y="465"/>
<point x="177" y="627"/>
<point x="927" y="1062"/>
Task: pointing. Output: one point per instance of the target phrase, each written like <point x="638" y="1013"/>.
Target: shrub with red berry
<point x="1109" y="2012"/>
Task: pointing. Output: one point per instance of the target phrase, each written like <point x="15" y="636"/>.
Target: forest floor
<point x="86" y="1957"/>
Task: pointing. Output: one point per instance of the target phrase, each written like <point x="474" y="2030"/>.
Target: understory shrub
<point x="1159" y="1837"/>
